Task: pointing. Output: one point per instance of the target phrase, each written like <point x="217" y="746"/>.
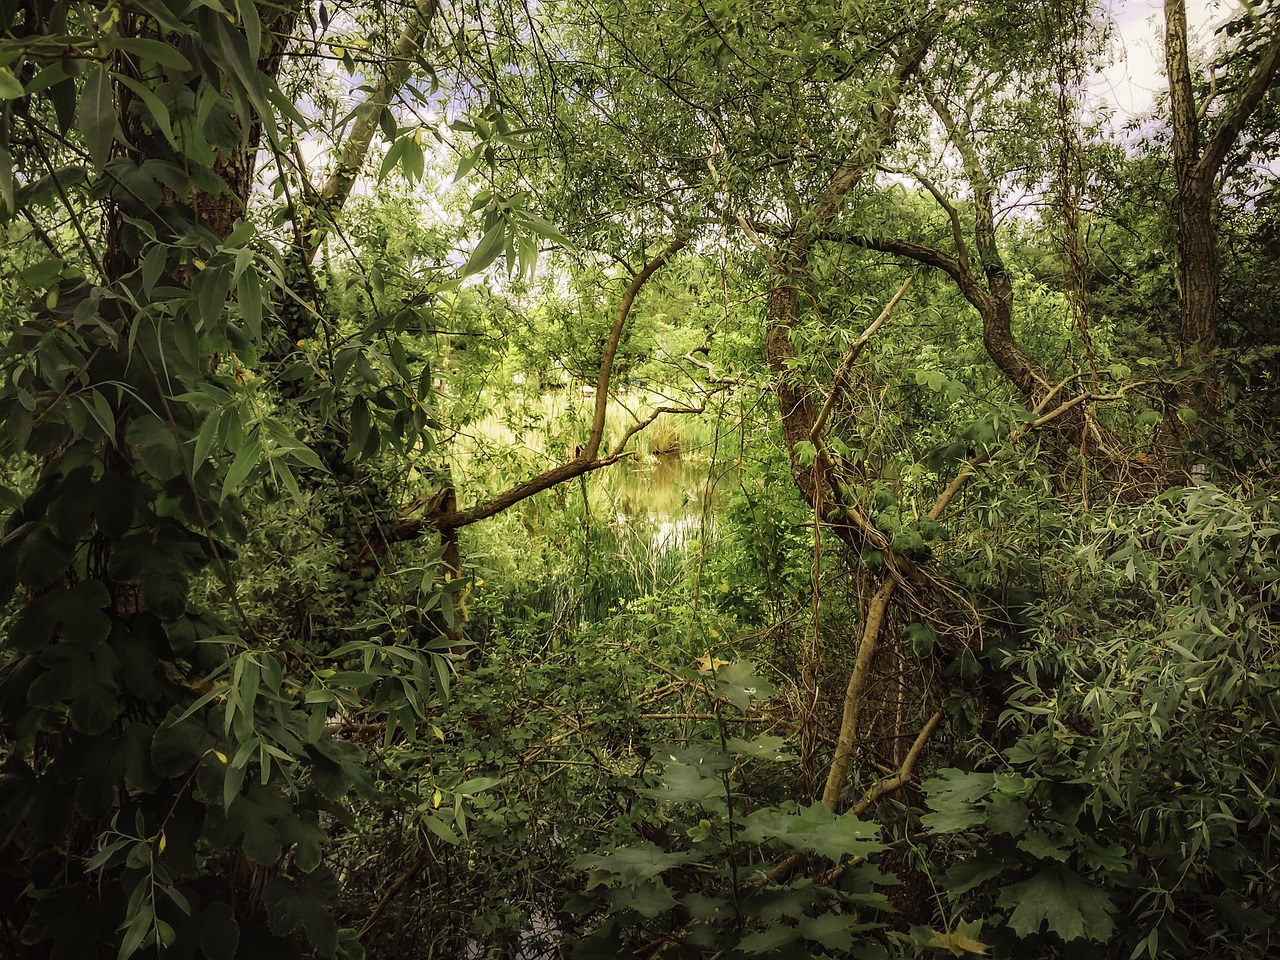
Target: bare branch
<point x="592" y="446"/>
<point x="846" y="364"/>
<point x="365" y="119"/>
<point x="889" y="784"/>
<point x="873" y="622"/>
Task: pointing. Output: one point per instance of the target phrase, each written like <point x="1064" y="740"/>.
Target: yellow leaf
<point x="436" y="797"/>
<point x="709" y="663"/>
<point x="957" y="943"/>
<point x="162" y="844"/>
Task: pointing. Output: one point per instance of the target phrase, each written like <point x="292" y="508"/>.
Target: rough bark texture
<point x="818" y="478"/>
<point x="1197" y="252"/>
<point x="1196" y="170"/>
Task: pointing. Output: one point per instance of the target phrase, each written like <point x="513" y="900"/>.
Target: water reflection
<point x="662" y="486"/>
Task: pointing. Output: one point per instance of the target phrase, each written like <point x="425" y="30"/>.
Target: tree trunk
<point x="1197" y="266"/>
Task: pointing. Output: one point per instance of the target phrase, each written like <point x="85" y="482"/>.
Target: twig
<point x="415" y="868"/>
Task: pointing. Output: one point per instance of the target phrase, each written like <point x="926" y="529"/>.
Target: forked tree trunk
<point x="1196" y="170"/>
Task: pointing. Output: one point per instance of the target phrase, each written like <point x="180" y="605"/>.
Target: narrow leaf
<point x="245" y="461"/>
<point x="96" y="116"/>
<point x="487" y="249"/>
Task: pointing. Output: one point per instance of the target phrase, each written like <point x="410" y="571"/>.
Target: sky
<point x="1132" y="82"/>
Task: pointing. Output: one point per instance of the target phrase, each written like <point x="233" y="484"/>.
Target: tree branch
<point x="1229" y="127"/>
<point x="588" y="458"/>
<point x="873" y="622"/>
<point x="638" y="280"/>
<point x="846" y="364"/>
<point x="889" y="784"/>
<point x="365" y="119"/>
<point x="953" y="215"/>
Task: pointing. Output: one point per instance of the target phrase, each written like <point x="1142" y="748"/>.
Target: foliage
<point x="1135" y="782"/>
<point x="277" y="345"/>
<point x="710" y="883"/>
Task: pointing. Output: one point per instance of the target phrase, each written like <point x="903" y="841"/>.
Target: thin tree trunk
<point x="1197" y="266"/>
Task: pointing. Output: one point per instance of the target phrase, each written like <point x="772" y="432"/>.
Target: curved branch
<point x="953" y="215"/>
<point x="846" y="364"/>
<point x="588" y="458"/>
<point x="1232" y="123"/>
<point x="638" y="280"/>
<point x="889" y="784"/>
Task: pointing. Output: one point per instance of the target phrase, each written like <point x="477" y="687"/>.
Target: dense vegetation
<point x="690" y="479"/>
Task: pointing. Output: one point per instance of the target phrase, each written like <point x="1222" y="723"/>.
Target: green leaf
<point x="1061" y="900"/>
<point x="79" y="612"/>
<point x="152" y="443"/>
<point x="544" y="229"/>
<point x="41" y="559"/>
<point x="931" y="379"/>
<point x="1038" y="844"/>
<point x="84" y="677"/>
<point x="953" y="796"/>
<point x="833" y="930"/>
<point x="831" y="835"/>
<point x="249" y="298"/>
<point x="219" y="932"/>
<point x="156" y="51"/>
<point x="230" y="48"/>
<point x="304" y="903"/>
<point x="766" y="941"/>
<point x="805" y="453"/>
<point x="96" y="115"/>
<point x="649" y="900"/>
<point x="636" y="864"/>
<point x="763" y="747"/>
<point x="155" y="106"/>
<point x="477" y="785"/>
<point x="488" y="249"/>
<point x="10" y="88"/>
<point x="178" y="746"/>
<point x="62" y="95"/>
<point x="739" y="683"/>
<point x="6" y="179"/>
<point x="244" y="463"/>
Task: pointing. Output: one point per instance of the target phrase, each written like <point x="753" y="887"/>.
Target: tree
<point x="1197" y="164"/>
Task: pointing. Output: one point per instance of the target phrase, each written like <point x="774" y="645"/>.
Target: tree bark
<point x="1197" y="280"/>
<point x="1196" y="172"/>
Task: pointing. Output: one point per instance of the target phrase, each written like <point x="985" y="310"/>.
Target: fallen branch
<point x="873" y="622"/>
